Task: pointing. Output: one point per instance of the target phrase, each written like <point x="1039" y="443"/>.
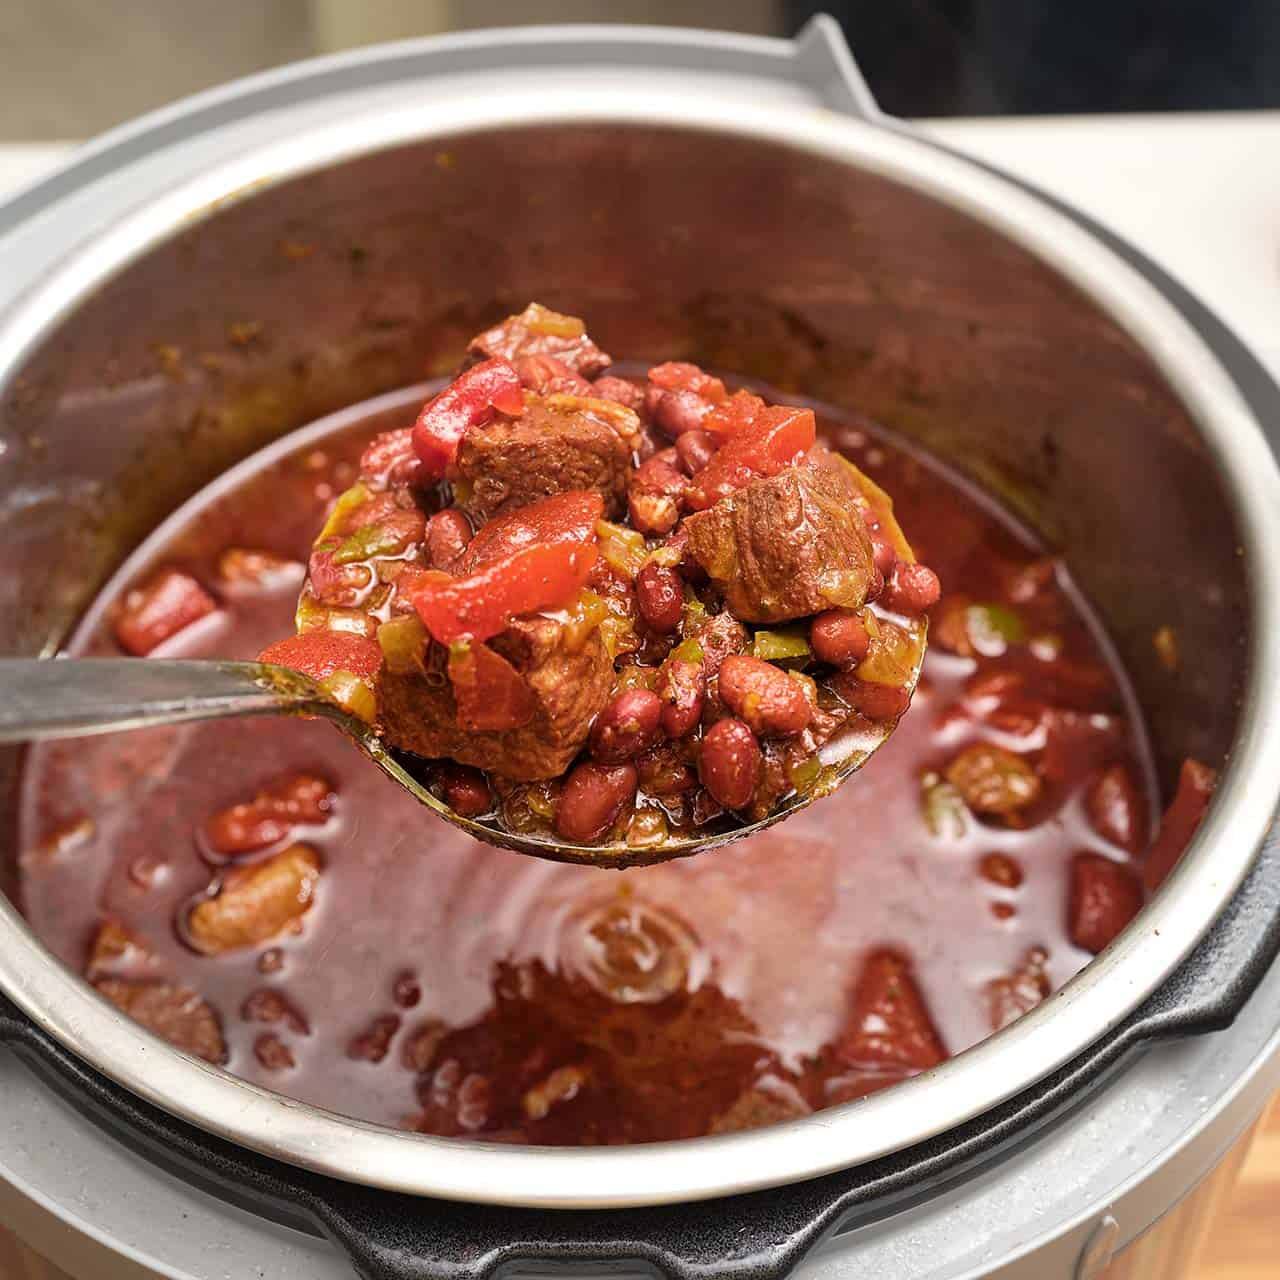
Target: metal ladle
<point x="75" y="697"/>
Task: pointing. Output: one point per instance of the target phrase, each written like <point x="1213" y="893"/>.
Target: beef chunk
<point x="537" y="331"/>
<point x="570" y="679"/>
<point x="786" y="546"/>
<point x="174" y="1013"/>
<point x="559" y="443"/>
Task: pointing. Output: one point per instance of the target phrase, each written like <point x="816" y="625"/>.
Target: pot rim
<point x="974" y="1081"/>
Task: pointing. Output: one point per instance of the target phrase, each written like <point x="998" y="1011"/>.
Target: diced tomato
<point x="469" y="400"/>
<point x="778" y="437"/>
<point x="491" y="694"/>
<point x="889" y="1025"/>
<point x="481" y="605"/>
<point x="677" y="375"/>
<point x="319" y="654"/>
<point x="159" y="609"/>
<point x="1104" y="897"/>
<point x="1196" y="782"/>
<point x="733" y="416"/>
<point x="563" y="517"/>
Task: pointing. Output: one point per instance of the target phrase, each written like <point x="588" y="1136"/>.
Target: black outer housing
<point x="762" y="1235"/>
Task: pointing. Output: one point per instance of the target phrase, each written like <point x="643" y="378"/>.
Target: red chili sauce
<point x="387" y="967"/>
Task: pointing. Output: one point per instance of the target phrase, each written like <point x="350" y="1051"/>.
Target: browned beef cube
<point x="174" y="1013"/>
<point x="537" y="331"/>
<point x="787" y="546"/>
<point x="559" y="443"/>
<point x="570" y="679"/>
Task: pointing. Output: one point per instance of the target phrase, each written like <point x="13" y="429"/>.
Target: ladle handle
<point x="71" y="697"/>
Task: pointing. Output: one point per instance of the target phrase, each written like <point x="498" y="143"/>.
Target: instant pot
<point x="740" y="202"/>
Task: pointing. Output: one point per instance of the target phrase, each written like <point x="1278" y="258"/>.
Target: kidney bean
<point x="619" y="390"/>
<point x="1115" y="808"/>
<point x="448" y="533"/>
<point x="659" y="597"/>
<point x="627" y="726"/>
<point x="654" y="493"/>
<point x="839" y="637"/>
<point x="302" y="799"/>
<point x="875" y="701"/>
<point x="548" y="375"/>
<point x="770" y="702"/>
<point x="1104" y="897"/>
<point x="729" y="763"/>
<point x="694" y="448"/>
<point x="339" y="585"/>
<point x="389" y="459"/>
<point x="883" y="553"/>
<point x="676" y="412"/>
<point x="912" y="588"/>
<point x="682" y="688"/>
<point x="592" y="798"/>
<point x="159" y="609"/>
<point x="466" y="791"/>
<point x="993" y="780"/>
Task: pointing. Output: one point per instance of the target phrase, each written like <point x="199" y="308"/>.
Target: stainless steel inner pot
<point x="853" y="262"/>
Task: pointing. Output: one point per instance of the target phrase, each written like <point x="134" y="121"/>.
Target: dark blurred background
<point x="71" y="68"/>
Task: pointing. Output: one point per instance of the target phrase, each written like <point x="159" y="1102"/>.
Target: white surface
<point x="1200" y="193"/>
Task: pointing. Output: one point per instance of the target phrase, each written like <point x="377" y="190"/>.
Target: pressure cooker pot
<point x="359" y="219"/>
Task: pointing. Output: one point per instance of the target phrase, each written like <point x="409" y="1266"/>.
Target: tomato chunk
<point x="159" y="609"/>
<point x="491" y="694"/>
<point x="481" y="605"/>
<point x="778" y="437"/>
<point x="1105" y="896"/>
<point x="889" y="1025"/>
<point x="1196" y="782"/>
<point x="678" y="375"/>
<point x="319" y="654"/>
<point x="733" y="416"/>
<point x="469" y="400"/>
<point x="563" y="517"/>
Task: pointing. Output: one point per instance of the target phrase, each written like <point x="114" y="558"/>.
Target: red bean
<point x="694" y="449"/>
<point x="660" y="597"/>
<point x="592" y="798"/>
<point x="912" y="589"/>
<point x="448" y="533"/>
<point x="627" y="726"/>
<point x="676" y="412"/>
<point x="1115" y="809"/>
<point x="875" y="701"/>
<point x="883" y="553"/>
<point x="682" y="690"/>
<point x="770" y="702"/>
<point x="618" y="390"/>
<point x="654" y="493"/>
<point x="1105" y="896"/>
<point x="466" y="791"/>
<point x="839" y="637"/>
<point x="729" y="763"/>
